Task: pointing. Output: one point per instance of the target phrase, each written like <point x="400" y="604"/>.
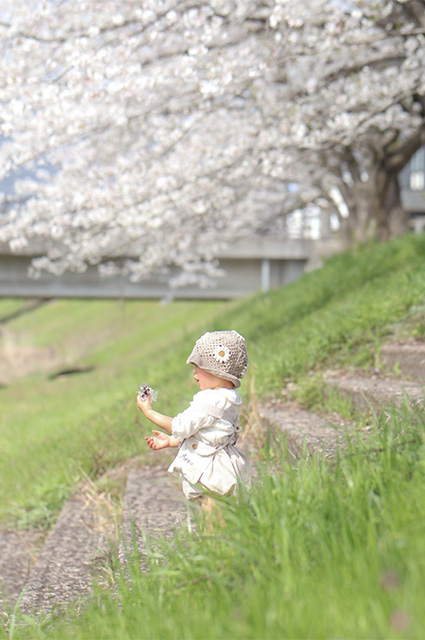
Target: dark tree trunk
<point x="375" y="210"/>
<point x="374" y="205"/>
<point x="364" y="210"/>
<point x="391" y="218"/>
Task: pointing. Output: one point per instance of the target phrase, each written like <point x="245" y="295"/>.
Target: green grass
<point x="312" y="553"/>
<point x="340" y="314"/>
<point x="55" y="431"/>
<point x="11" y="306"/>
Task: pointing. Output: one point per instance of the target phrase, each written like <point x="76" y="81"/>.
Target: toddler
<point x="207" y="431"/>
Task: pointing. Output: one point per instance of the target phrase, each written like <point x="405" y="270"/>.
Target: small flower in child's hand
<point x="146" y="391"/>
<point x="222" y="354"/>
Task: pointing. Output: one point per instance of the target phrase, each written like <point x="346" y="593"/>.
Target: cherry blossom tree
<point x="356" y="86"/>
<point x="149" y="134"/>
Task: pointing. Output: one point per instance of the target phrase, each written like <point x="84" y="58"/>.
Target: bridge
<point x="255" y="264"/>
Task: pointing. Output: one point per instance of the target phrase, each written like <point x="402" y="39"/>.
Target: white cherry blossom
<point x="142" y="136"/>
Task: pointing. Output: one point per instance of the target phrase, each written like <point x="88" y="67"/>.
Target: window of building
<point x="417" y="171"/>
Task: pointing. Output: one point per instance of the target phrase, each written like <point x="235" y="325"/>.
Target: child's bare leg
<point x="209" y="506"/>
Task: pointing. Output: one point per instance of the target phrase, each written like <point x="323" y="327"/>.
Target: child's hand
<point x="144" y="404"/>
<point x="161" y="440"/>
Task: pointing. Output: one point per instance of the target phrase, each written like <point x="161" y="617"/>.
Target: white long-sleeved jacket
<point x="208" y="429"/>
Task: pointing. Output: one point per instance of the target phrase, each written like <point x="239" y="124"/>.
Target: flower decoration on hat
<point x="222" y="354"/>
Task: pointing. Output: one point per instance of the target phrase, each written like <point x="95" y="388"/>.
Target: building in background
<point x="412" y="183"/>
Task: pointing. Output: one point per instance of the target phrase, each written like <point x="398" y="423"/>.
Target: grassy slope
<point x="54" y="430"/>
<point x="312" y="554"/>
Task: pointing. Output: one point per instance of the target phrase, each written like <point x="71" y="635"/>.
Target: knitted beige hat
<point x="222" y="353"/>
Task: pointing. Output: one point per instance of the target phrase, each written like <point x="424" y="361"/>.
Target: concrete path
<point x="405" y="360"/>
<point x="376" y="391"/>
<point x="305" y="432"/>
<point x="63" y="571"/>
<point x="18" y="553"/>
<point x="154" y="506"/>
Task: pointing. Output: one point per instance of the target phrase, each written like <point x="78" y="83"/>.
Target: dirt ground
<point x="18" y="361"/>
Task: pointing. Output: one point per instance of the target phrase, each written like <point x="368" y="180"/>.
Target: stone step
<point x="63" y="571"/>
<point x="375" y="392"/>
<point x="305" y="431"/>
<point x="154" y="507"/>
<point x="408" y="360"/>
<point x="18" y="554"/>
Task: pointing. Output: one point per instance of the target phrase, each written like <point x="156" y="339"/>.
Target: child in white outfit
<point x="207" y="431"/>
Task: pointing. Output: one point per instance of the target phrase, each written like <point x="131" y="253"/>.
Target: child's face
<point x="206" y="380"/>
